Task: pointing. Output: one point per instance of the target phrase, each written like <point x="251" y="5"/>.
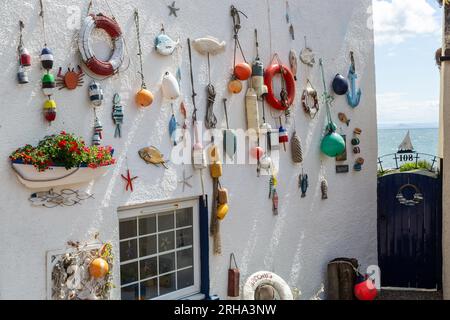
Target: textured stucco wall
<point x="297" y="244"/>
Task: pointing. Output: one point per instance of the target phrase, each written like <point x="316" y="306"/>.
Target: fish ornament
<point x="152" y="155"/>
<point x="343" y="118"/>
<point x="208" y="45"/>
<point x="303" y="183"/>
<point x="164" y="44"/>
<point x="293" y="62"/>
<point x="173" y="126"/>
<point x="170" y="87"/>
<point x="117" y="115"/>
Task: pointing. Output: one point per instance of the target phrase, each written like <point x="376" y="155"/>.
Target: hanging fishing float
<point x="144" y="97"/>
<point x="170" y="86"/>
<point x="48" y="80"/>
<point x="241" y="71"/>
<point x="96" y="93"/>
<point x="24" y="58"/>
<point x="332" y="144"/>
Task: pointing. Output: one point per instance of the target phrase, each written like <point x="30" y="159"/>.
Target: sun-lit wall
<point x="296" y="244"/>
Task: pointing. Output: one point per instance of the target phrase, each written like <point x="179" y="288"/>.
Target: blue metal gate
<point x="410" y="230"/>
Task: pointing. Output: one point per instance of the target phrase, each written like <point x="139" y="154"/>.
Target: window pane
<point x="184" y="238"/>
<point x="130" y="293"/>
<point x="185" y="278"/>
<point x="166" y="263"/>
<point x="167" y="284"/>
<point x="166" y="241"/>
<point x="147" y="225"/>
<point x="184" y="258"/>
<point x="128" y="273"/>
<point x="127" y="229"/>
<point x="149" y="268"/>
<point x="149" y="289"/>
<point x="147" y="246"/>
<point x="165" y="221"/>
<point x="128" y="250"/>
<point x="184" y="217"/>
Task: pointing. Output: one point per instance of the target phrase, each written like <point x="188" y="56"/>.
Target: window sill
<point x="195" y="297"/>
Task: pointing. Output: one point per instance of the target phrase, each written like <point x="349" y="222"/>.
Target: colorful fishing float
<point x="332" y="144"/>
<point x="144" y="98"/>
<point x="24" y="58"/>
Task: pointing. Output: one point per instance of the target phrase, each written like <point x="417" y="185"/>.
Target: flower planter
<point x="55" y="176"/>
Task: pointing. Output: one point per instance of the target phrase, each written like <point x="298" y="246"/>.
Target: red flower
<point x="99" y="155"/>
<point x="62" y="144"/>
<point x="63" y="133"/>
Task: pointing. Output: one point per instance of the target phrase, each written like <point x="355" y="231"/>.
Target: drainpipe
<point x="444" y="137"/>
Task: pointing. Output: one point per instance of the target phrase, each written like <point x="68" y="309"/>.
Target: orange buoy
<point x="98" y="268"/>
<point x="235" y="86"/>
<point x="242" y="71"/>
<point x="144" y="98"/>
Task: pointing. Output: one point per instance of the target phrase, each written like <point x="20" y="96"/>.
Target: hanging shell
<point x="170" y="86"/>
<point x="296" y="148"/>
<point x="324" y="189"/>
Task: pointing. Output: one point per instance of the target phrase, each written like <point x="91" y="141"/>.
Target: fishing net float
<point x="24" y="58"/>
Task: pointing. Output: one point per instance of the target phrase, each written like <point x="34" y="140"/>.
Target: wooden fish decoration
<point x="343" y="118"/>
<point x="293" y="63"/>
<point x="165" y="45"/>
<point x="208" y="45"/>
<point x="152" y="155"/>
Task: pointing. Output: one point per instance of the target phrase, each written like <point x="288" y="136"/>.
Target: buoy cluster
<point x="96" y="97"/>
<point x="48" y="84"/>
<point x="24" y="59"/>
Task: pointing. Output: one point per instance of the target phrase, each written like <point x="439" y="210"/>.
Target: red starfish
<point x="129" y="180"/>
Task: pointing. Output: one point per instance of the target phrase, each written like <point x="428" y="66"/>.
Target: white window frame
<point x="162" y="207"/>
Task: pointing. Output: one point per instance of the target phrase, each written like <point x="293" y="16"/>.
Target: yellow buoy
<point x="222" y="211"/>
<point x="144" y="98"/>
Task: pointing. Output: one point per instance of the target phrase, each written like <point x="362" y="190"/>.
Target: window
<point x="159" y="251"/>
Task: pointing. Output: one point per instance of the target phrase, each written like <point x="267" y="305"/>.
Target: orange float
<point x="98" y="268"/>
<point x="242" y="71"/>
<point x="144" y="98"/>
<point x="235" y="86"/>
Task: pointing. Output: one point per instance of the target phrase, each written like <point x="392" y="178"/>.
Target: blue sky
<point x="407" y="34"/>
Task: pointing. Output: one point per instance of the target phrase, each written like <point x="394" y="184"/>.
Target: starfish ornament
<point x="129" y="181"/>
<point x="185" y="180"/>
<point x="173" y="10"/>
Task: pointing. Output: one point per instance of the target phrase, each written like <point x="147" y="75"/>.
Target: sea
<point x="424" y="140"/>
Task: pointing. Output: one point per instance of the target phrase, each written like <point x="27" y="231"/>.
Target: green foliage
<point x="63" y="150"/>
<point x="411" y="166"/>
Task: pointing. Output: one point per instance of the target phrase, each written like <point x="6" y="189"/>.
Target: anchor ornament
<point x="353" y="95"/>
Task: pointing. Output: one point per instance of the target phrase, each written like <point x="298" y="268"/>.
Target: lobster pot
<point x="48" y="84"/>
<point x="252" y="110"/>
<point x="50" y="110"/>
<point x="47" y="58"/>
<point x="229" y="142"/>
<point x="96" y="94"/>
<point x="24" y="57"/>
<point x="22" y="75"/>
<point x="258" y="78"/>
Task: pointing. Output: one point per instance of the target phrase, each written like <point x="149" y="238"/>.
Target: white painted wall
<point x="297" y="244"/>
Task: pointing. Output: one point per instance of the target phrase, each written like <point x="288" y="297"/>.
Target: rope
<point x="326" y="96"/>
<point x="226" y="112"/>
<point x="41" y="14"/>
<point x="233" y="259"/>
<point x="194" y="94"/>
<point x="138" y="34"/>
<point x="21" y="27"/>
<point x="210" y="117"/>
<point x="235" y="13"/>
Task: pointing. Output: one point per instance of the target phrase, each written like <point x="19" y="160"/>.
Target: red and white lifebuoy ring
<point x="290" y="86"/>
<point x="266" y="278"/>
<point x="112" y="28"/>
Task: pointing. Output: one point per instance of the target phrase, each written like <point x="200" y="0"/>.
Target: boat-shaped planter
<point x="56" y="176"/>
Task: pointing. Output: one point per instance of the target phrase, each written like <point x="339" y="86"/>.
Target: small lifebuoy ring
<point x="266" y="278"/>
<point x="112" y="28"/>
<point x="290" y="86"/>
